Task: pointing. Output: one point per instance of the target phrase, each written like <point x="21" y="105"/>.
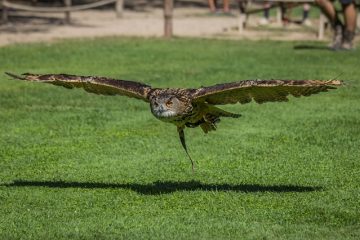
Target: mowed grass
<point x="82" y="166"/>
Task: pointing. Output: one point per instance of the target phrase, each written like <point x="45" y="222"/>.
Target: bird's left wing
<point x="98" y="85"/>
<point x="260" y="91"/>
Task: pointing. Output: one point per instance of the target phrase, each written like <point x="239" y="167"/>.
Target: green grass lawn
<point x="77" y="165"/>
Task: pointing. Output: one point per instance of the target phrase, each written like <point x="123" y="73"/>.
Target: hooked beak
<point x="161" y="109"/>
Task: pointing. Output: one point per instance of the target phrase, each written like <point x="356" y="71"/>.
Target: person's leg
<point x="329" y="10"/>
<point x="226" y="6"/>
<point x="285" y="13"/>
<point x="306" y="10"/>
<point x="350" y="16"/>
<point x="350" y="25"/>
<point x="212" y="5"/>
<point x="265" y="19"/>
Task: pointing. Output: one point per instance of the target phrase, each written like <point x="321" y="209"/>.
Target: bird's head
<point x="165" y="106"/>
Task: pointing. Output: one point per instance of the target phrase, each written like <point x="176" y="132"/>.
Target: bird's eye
<point x="169" y="103"/>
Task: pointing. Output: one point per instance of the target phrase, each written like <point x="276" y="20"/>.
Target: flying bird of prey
<point x="190" y="107"/>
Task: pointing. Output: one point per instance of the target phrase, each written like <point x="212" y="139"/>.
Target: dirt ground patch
<point x="188" y="22"/>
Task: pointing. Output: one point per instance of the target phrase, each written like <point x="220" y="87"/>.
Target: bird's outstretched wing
<point x="261" y="91"/>
<point x="98" y="85"/>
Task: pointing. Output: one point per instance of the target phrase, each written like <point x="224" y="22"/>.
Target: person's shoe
<point x="307" y="23"/>
<point x="264" y="21"/>
<point x="347" y="43"/>
<point x="337" y="38"/>
<point x="228" y="13"/>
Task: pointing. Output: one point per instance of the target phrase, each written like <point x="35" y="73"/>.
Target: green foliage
<point x="76" y="165"/>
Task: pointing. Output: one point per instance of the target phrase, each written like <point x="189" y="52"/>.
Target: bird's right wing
<point x="261" y="91"/>
<point x="98" y="85"/>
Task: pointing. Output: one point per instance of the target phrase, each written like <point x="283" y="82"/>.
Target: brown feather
<point x="98" y="85"/>
<point x="261" y="91"/>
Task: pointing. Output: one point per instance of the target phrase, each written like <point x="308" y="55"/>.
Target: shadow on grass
<point x="157" y="188"/>
<point x="311" y="47"/>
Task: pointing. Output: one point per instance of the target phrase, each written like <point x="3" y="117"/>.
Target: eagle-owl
<point x="190" y="107"/>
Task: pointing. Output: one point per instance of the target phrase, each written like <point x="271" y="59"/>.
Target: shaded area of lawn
<point x="164" y="187"/>
<point x="82" y="166"/>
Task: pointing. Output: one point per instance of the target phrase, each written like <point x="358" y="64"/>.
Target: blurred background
<point x="34" y="20"/>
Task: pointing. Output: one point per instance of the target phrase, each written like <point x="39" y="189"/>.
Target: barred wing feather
<point x="97" y="85"/>
<point x="261" y="91"/>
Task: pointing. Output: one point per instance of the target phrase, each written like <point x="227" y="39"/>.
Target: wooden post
<point x="279" y="15"/>
<point x="5" y="12"/>
<point x="322" y="21"/>
<point x="241" y="23"/>
<point x="67" y="13"/>
<point x="242" y="15"/>
<point x="119" y="7"/>
<point x="168" y="15"/>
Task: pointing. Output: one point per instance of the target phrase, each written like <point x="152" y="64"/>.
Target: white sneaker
<point x="307" y="23"/>
<point x="264" y="21"/>
<point x="337" y="38"/>
<point x="348" y="38"/>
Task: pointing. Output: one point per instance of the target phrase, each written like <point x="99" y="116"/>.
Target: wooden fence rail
<point x="66" y="8"/>
<point x="6" y="5"/>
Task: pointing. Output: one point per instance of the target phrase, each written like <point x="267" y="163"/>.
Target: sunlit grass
<point x="78" y="165"/>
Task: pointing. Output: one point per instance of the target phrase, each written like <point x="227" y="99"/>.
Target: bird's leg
<point x="182" y="140"/>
